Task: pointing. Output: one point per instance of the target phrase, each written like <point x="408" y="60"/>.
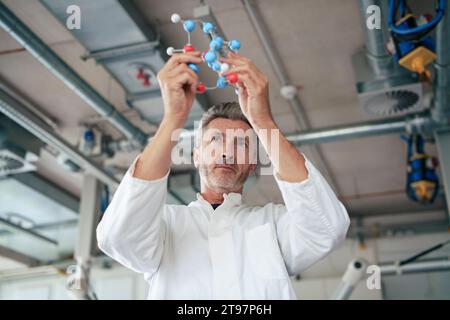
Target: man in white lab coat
<point x="217" y="247"/>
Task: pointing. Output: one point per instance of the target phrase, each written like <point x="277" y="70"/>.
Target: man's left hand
<point x="253" y="89"/>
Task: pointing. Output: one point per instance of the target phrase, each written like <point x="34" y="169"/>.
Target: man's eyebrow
<point x="211" y="133"/>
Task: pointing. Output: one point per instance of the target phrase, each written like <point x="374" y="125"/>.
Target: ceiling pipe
<point x="441" y="101"/>
<point x="17" y="229"/>
<point x="275" y="62"/>
<point x="18" y="257"/>
<point x="413" y="124"/>
<point x="41" y="114"/>
<point x="352" y="131"/>
<point x="294" y="101"/>
<point x="47" y="57"/>
<point x="416" y="123"/>
<point x="416" y="267"/>
<point x="22" y="116"/>
<point x="358" y="267"/>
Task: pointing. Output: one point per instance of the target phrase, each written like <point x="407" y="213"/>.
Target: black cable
<point x="420" y="254"/>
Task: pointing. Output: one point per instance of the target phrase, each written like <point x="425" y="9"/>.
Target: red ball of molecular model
<point x="217" y="48"/>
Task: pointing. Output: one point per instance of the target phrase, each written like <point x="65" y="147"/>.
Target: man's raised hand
<point x="178" y="85"/>
<point x="253" y="89"/>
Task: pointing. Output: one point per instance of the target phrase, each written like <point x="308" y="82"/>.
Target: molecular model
<point x="217" y="48"/>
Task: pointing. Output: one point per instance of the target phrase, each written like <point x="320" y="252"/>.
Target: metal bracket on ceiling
<point x="123" y="52"/>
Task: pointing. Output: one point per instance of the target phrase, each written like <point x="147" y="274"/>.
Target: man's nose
<point x="228" y="156"/>
<point x="227" y="159"/>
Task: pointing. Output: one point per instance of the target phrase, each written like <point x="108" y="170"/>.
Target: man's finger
<point x="190" y="57"/>
<point x="235" y="59"/>
<point x="242" y="89"/>
<point x="232" y="61"/>
<point x="181" y="68"/>
<point x="185" y="78"/>
<point x="244" y="70"/>
<point x="239" y="69"/>
<point x="236" y="56"/>
<point x="193" y="88"/>
<point x="248" y="81"/>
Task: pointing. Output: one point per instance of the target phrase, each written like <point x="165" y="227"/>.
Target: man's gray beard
<point x="223" y="183"/>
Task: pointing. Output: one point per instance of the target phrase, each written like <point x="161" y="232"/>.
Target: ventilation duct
<point x="393" y="101"/>
<point x="384" y="88"/>
<point x="12" y="163"/>
<point x="18" y="148"/>
<point x="117" y="37"/>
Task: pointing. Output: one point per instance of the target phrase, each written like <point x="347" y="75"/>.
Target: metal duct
<point x="416" y="267"/>
<point x="19" y="31"/>
<point x="19" y="113"/>
<point x="113" y="37"/>
<point x="18" y="148"/>
<point x="414" y="124"/>
<point x="356" y="269"/>
<point x="380" y="61"/>
<point x="12" y="227"/>
<point x="384" y="88"/>
<point x="117" y="37"/>
<point x="417" y="123"/>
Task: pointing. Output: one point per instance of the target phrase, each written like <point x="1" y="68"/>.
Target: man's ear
<point x="196" y="157"/>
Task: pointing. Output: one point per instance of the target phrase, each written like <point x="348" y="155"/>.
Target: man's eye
<point x="241" y="142"/>
<point x="215" y="138"/>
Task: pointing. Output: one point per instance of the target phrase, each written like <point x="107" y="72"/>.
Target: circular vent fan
<point x="8" y="163"/>
<point x="392" y="102"/>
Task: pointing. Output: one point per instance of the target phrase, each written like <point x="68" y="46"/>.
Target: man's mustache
<point x="226" y="166"/>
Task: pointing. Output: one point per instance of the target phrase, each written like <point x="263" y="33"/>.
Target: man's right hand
<point x="178" y="85"/>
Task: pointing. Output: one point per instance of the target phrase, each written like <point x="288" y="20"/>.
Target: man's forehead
<point x="222" y="124"/>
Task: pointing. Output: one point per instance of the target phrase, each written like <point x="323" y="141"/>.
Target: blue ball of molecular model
<point x="218" y="47"/>
<point x="234" y="45"/>
<point x="194" y="67"/>
<point x="189" y="25"/>
<point x="210" y="57"/>
<point x="215" y="66"/>
<point x="208" y="27"/>
<point x="216" y="44"/>
<point x="222" y="82"/>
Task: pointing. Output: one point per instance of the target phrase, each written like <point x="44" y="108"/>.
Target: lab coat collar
<point x="231" y="199"/>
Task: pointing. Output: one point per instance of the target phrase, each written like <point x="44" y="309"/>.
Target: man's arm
<point x="253" y="85"/>
<point x="133" y="228"/>
<point x="313" y="221"/>
<point x="178" y="85"/>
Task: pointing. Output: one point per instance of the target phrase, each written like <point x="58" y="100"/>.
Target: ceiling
<point x="315" y="39"/>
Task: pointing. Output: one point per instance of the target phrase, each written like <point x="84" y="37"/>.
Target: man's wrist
<point x="173" y="122"/>
<point x="263" y="123"/>
<point x="169" y="129"/>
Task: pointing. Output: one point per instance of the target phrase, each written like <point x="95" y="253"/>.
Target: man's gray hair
<point x="228" y="110"/>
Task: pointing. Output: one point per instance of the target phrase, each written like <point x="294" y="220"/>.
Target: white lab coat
<point x="234" y="252"/>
